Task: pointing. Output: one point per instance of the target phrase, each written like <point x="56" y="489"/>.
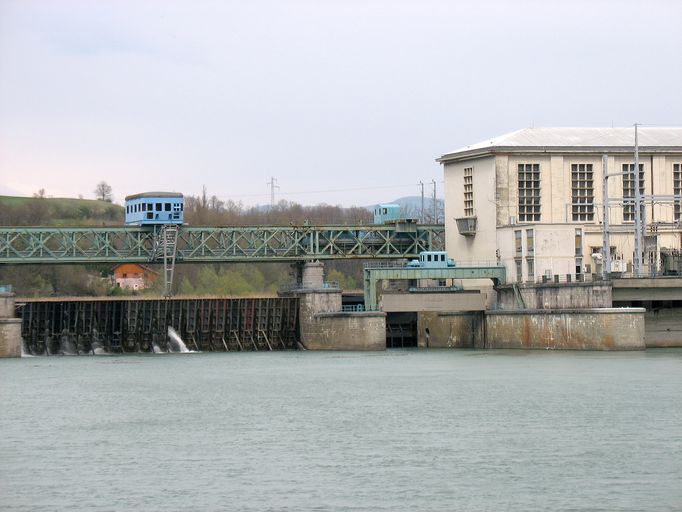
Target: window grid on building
<point x="468" y="192"/>
<point x="629" y="190"/>
<point x="529" y="192"/>
<point x="582" y="185"/>
<point x="677" y="189"/>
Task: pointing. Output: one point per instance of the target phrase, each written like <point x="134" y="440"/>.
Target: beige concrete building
<point x="533" y="200"/>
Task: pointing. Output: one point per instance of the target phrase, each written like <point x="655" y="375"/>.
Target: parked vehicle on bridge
<point x="432" y="259"/>
<point x="154" y="208"/>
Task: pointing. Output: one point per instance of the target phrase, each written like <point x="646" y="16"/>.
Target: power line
<point x="285" y="193"/>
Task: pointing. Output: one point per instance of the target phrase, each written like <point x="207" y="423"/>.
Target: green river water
<point x="310" y="431"/>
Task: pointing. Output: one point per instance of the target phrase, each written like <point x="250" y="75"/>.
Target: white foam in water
<point x="176" y="343"/>
<point x="158" y="350"/>
<point x="24" y="353"/>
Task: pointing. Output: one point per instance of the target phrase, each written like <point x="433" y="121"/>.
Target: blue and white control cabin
<point x="154" y="208"/>
<point x="432" y="259"/>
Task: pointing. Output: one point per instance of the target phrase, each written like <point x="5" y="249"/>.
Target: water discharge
<point x="175" y="343"/>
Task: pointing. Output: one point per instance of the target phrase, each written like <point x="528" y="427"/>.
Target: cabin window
<point x="144" y="207"/>
<point x="150" y="215"/>
<point x="176" y="207"/>
<point x="167" y="207"/>
<point x="158" y="207"/>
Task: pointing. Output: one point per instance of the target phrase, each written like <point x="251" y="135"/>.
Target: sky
<point x="341" y="102"/>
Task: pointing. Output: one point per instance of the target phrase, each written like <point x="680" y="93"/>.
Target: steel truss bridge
<point x="86" y="245"/>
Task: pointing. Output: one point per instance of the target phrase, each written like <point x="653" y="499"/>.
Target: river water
<point x="400" y="430"/>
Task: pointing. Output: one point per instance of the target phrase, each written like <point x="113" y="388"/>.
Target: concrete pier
<point x="323" y="323"/>
<point x="10" y="327"/>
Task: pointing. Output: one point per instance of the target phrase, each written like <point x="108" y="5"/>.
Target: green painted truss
<point x="82" y="245"/>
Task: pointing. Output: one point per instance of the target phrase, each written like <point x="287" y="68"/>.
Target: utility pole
<point x="638" y="211"/>
<point x="272" y="186"/>
<point x="435" y="206"/>
<point x="606" y="246"/>
<point x="421" y="213"/>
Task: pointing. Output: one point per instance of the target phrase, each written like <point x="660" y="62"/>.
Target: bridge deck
<point x="216" y="244"/>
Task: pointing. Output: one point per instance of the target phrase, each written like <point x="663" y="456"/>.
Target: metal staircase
<point x="519" y="298"/>
<point x="166" y="248"/>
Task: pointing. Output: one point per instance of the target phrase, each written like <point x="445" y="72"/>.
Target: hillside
<point x="43" y="211"/>
<point x="194" y="279"/>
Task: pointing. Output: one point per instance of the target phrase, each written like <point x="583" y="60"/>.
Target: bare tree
<point x="103" y="191"/>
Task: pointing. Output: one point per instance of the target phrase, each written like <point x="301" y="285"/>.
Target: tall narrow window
<point x="530" y="242"/>
<point x="468" y="192"/>
<point x="519" y="270"/>
<point x="677" y="189"/>
<point x="518" y="244"/>
<point x="629" y="190"/>
<point x="530" y="268"/>
<point x="529" y="192"/>
<point x="579" y="242"/>
<point x="582" y="186"/>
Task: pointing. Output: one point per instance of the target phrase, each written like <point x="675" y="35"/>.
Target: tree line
<point x="190" y="279"/>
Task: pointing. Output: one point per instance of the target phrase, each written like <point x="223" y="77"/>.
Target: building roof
<point x="549" y="140"/>
<point x="154" y="194"/>
<point x="143" y="267"/>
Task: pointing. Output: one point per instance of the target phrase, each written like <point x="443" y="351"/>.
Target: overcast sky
<point x="342" y="102"/>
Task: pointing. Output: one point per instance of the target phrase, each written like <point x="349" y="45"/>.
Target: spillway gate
<point x="54" y="326"/>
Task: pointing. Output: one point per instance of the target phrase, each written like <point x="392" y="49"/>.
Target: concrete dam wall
<point x="585" y="329"/>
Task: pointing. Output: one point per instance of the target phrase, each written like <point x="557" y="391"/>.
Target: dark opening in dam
<point x="81" y="326"/>
<point x="401" y="330"/>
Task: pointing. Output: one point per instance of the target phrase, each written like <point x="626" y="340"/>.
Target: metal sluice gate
<point x="141" y="325"/>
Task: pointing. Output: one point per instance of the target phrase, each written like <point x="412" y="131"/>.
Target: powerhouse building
<point x="532" y="200"/>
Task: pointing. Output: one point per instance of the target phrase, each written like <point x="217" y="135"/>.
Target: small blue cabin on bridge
<point x="154" y="208"/>
<point x="384" y="213"/>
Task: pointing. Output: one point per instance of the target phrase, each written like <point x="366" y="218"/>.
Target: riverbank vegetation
<point x="240" y="279"/>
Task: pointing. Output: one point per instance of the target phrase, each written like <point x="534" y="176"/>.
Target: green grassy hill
<point x="35" y="211"/>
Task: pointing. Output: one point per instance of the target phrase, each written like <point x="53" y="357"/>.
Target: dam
<point x="82" y="325"/>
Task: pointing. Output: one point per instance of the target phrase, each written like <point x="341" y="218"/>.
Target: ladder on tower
<point x="166" y="247"/>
